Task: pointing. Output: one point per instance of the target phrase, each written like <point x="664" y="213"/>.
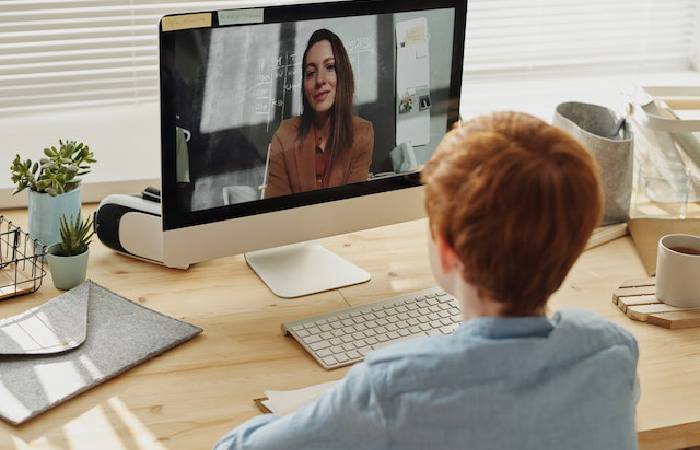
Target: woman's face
<point x="320" y="77"/>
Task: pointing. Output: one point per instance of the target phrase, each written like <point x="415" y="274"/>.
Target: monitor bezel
<point x="175" y="219"/>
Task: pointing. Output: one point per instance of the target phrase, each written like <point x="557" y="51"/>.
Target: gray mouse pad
<point x="98" y="335"/>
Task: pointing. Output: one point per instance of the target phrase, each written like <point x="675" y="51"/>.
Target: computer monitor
<point x="284" y="124"/>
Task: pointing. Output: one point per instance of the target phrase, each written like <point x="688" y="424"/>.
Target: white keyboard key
<point x="354" y="354"/>
<point x="323" y="353"/>
<point x="392" y="335"/>
<point x="341" y="357"/>
<point x="312" y="339"/>
<point x="318" y="345"/>
<point x="335" y="341"/>
<point x="336" y="349"/>
<point x="329" y="360"/>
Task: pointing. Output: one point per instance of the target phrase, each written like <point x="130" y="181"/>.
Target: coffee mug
<point x="678" y="270"/>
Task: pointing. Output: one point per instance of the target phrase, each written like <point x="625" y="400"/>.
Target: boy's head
<point x="515" y="199"/>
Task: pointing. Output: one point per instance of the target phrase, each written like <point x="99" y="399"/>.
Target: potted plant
<point x="53" y="186"/>
<point x="69" y="257"/>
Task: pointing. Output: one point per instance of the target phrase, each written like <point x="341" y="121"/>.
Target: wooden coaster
<point x="637" y="299"/>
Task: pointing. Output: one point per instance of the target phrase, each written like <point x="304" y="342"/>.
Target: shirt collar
<point x="508" y="327"/>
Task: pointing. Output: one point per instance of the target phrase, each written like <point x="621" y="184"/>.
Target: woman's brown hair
<point x="517" y="200"/>
<point x="341" y="113"/>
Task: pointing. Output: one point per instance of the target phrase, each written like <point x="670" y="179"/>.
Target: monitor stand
<point x="303" y="269"/>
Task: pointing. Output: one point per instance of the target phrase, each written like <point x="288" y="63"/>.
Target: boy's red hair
<point x="517" y="200"/>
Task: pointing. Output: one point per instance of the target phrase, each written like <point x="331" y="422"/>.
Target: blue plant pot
<point x="45" y="213"/>
<point x="67" y="271"/>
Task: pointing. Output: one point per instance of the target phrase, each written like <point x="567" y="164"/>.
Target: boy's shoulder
<point x="580" y="323"/>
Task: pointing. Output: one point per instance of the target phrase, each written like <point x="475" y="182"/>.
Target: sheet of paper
<point x="286" y="402"/>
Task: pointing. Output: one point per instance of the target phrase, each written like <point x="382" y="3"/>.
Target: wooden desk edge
<point x="672" y="437"/>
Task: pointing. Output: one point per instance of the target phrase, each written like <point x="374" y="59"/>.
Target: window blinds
<point x="505" y="37"/>
<point x="56" y="53"/>
<point x="68" y="54"/>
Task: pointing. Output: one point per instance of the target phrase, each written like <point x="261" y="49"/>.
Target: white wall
<point x="124" y="138"/>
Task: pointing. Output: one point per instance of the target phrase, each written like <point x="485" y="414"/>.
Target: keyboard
<point x="344" y="337"/>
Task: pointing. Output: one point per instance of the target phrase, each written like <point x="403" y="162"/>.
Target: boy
<point x="512" y="202"/>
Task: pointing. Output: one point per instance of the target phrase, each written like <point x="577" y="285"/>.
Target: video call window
<point x="270" y="110"/>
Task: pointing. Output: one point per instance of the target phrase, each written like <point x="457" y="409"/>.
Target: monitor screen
<point x="273" y="108"/>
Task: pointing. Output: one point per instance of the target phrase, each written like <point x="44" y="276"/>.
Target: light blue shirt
<point x="566" y="382"/>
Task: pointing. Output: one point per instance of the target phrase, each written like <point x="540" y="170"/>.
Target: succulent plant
<point x="76" y="236"/>
<point x="55" y="174"/>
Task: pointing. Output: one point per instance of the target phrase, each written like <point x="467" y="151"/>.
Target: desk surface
<point x="190" y="396"/>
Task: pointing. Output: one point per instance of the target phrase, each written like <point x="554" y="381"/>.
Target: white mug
<point x="678" y="270"/>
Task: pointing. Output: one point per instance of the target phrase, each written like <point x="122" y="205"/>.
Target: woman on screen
<point x="327" y="145"/>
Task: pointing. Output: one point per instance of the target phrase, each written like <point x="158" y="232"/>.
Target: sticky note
<point x="186" y="21"/>
<point x="242" y="16"/>
<point x="415" y="34"/>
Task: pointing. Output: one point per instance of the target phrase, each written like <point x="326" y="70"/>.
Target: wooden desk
<point x="190" y="396"/>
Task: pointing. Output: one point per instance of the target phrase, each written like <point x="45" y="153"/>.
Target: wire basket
<point x="22" y="261"/>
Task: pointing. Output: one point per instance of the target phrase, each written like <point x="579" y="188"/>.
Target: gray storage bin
<point x="603" y="133"/>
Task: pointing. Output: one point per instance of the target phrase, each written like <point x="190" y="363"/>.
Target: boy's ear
<point x="448" y="257"/>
